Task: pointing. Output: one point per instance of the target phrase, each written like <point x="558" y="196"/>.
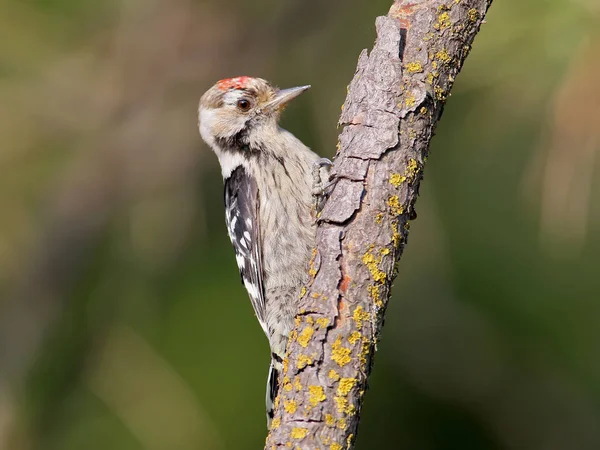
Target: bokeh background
<point x="123" y="324"/>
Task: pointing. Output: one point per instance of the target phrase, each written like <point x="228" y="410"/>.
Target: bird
<point x="274" y="186"/>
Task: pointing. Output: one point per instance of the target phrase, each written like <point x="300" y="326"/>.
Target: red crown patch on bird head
<point x="234" y="83"/>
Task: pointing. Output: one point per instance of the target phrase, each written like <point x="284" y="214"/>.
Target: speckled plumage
<point x="269" y="200"/>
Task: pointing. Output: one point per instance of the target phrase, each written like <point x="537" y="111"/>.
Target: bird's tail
<point x="275" y="370"/>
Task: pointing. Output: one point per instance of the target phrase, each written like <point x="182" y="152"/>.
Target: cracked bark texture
<point x="393" y="104"/>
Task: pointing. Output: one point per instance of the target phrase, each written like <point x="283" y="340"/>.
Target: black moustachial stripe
<point x="239" y="143"/>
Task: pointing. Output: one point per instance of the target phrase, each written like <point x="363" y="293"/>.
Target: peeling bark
<point x="394" y="103"/>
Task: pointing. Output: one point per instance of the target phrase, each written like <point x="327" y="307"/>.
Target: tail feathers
<point x="273" y="386"/>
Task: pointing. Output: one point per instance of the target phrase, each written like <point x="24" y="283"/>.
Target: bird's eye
<point x="243" y="104"/>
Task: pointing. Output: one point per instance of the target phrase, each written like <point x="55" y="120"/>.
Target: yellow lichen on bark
<point x="396" y="179"/>
<point x="339" y="353"/>
<point x="346" y="385"/>
<point x="303" y="361"/>
<point x="359" y="316"/>
<point x="304" y="337"/>
<point x="290" y="406"/>
<point x="333" y="375"/>
<point x="371" y="261"/>
<point x="299" y="433"/>
<point x="329" y="420"/>
<point x="316" y="395"/>
<point x="323" y="322"/>
<point x="297" y="384"/>
<point x="414" y="67"/>
<point x="395" y="207"/>
<point x="354" y="337"/>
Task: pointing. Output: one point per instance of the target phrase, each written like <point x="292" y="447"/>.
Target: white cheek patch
<point x="214" y="123"/>
<point x="206" y="118"/>
<point x="227" y="160"/>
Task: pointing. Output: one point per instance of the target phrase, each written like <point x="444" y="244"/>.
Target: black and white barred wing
<point x="241" y="215"/>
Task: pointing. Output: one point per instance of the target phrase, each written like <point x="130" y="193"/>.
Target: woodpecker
<point x="274" y="185"/>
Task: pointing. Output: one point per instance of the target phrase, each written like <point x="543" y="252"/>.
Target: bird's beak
<point x="284" y="96"/>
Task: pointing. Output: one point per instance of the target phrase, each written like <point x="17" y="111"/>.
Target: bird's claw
<point x="322" y="182"/>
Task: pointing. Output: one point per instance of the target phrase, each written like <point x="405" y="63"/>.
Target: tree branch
<point x="393" y="105"/>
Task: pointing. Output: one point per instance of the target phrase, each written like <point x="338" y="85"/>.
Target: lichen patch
<point x="316" y="395"/>
<point x="305" y="335"/>
<point x="299" y="433"/>
<point x="345" y="386"/>
<point x="339" y="353"/>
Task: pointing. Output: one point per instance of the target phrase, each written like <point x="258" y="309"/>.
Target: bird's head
<point x="235" y="112"/>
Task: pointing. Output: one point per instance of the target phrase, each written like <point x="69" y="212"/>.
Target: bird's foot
<point x="322" y="182"/>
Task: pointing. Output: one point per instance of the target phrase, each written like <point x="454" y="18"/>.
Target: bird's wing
<point x="241" y="215"/>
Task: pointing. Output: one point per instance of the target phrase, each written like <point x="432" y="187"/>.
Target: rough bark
<point x="393" y="105"/>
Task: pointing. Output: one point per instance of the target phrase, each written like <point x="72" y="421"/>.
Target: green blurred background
<point x="123" y="324"/>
